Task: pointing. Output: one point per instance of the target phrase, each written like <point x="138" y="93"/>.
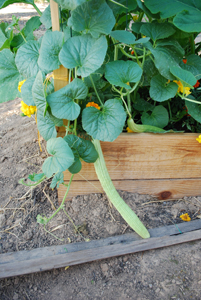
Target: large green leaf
<point x="49" y="52"/>
<point x="82" y="150"/>
<point x="69" y="4"/>
<point x="193" y="65"/>
<point x="121" y="73"/>
<point x="194" y="109"/>
<point x="94" y="17"/>
<point x="62" y="157"/>
<point x="164" y="59"/>
<point x="38" y="93"/>
<point x="9" y="76"/>
<point x="84" y="52"/>
<point x="3" y="38"/>
<point x="62" y="101"/>
<point x="157" y="31"/>
<point x="159" y="117"/>
<point x="31" y="25"/>
<point x="149" y="70"/>
<point x="187" y="12"/>
<point x="4" y="3"/>
<point x="68" y="33"/>
<point x="57" y="180"/>
<point x="160" y="90"/>
<point x="46" y="18"/>
<point x="26" y="89"/>
<point x="46" y="125"/>
<point x="105" y="124"/>
<point x="27" y="59"/>
<point x="186" y="77"/>
<point x="142" y="105"/>
<point x="123" y="36"/>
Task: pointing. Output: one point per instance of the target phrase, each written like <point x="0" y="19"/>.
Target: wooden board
<point x="47" y="258"/>
<point x="165" y="165"/>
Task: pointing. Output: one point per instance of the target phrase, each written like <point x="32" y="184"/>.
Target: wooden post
<point x="61" y="74"/>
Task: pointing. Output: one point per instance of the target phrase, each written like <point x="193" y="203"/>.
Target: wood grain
<point x="41" y="259"/>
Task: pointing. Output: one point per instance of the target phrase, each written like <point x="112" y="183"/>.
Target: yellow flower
<point x="128" y="129"/>
<point x="182" y="89"/>
<point x="93" y="104"/>
<point x="20" y="85"/>
<point x="27" y="110"/>
<point x="185" y="217"/>
<point x="135" y="18"/>
<point x="199" y="139"/>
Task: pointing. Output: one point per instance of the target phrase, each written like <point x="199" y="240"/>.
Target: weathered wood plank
<point x="149" y="156"/>
<point x="161" y="188"/>
<point x="24" y="262"/>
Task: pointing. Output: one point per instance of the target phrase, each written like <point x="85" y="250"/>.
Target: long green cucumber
<point x="126" y="212"/>
<point x="143" y="128"/>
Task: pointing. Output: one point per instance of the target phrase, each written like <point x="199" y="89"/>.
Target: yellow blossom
<point x="128" y="129"/>
<point x="20" y="85"/>
<point x="135" y="18"/>
<point x="27" y="110"/>
<point x="93" y="104"/>
<point x="199" y="139"/>
<point x="184" y="90"/>
<point x="185" y="217"/>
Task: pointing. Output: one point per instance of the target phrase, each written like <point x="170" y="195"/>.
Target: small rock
<point x="104" y="268"/>
<point x="28" y="235"/>
<point x="157" y="290"/>
<point x="150" y="286"/>
<point x="16" y="281"/>
<point x="15" y="297"/>
<point x="3" y="158"/>
<point x="125" y="258"/>
<point x="173" y="281"/>
<point x="35" y="288"/>
<point x="199" y="282"/>
<point x="2" y="220"/>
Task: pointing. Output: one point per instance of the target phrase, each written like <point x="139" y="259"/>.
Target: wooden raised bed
<point x="163" y="165"/>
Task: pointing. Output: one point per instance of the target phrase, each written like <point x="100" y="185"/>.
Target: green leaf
<point x="123" y="36"/>
<point x="69" y="4"/>
<point x="46" y="18"/>
<point x="142" y="105"/>
<point x="84" y="52"/>
<point x="18" y="40"/>
<point x="157" y="31"/>
<point x="62" y="101"/>
<point x="4" y="3"/>
<point x="27" y="59"/>
<point x="38" y="93"/>
<point x="82" y="149"/>
<point x="68" y="31"/>
<point x="26" y="89"/>
<point x="120" y="73"/>
<point x="186" y="77"/>
<point x="9" y="76"/>
<point x="193" y="109"/>
<point x="159" y="117"/>
<point x="49" y="52"/>
<point x="31" y="25"/>
<point x="57" y="180"/>
<point x="193" y="65"/>
<point x="187" y="12"/>
<point x="149" y="70"/>
<point x="105" y="124"/>
<point x="160" y="90"/>
<point x="36" y="177"/>
<point x="164" y="59"/>
<point x="130" y="5"/>
<point x="136" y="27"/>
<point x="94" y="17"/>
<point x="3" y="38"/>
<point x="46" y="125"/>
<point x="62" y="157"/>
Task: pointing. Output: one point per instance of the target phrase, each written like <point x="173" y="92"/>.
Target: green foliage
<point x="38" y="93"/>
<point x="26" y="95"/>
<point x="161" y="90"/>
<point x="159" y="117"/>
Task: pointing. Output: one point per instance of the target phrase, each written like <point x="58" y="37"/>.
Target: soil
<point x="167" y="273"/>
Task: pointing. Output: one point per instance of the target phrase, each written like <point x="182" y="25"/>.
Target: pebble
<point x="157" y="290"/>
<point x="28" y="235"/>
<point x="15" y="297"/>
<point x="2" y="220"/>
<point x="150" y="286"/>
<point x="104" y="268"/>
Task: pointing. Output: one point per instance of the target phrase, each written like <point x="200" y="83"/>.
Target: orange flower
<point x="184" y="60"/>
<point x="132" y="52"/>
<point x="128" y="129"/>
<point x="93" y="104"/>
<point x="185" y="217"/>
<point x="182" y="89"/>
<point x="197" y="84"/>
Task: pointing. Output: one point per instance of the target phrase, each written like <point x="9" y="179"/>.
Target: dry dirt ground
<point x="167" y="273"/>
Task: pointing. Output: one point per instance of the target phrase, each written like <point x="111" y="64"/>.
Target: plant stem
<point x="69" y="76"/>
<point x="115" y="49"/>
<point x="170" y="112"/>
<point x="62" y="203"/>
<point x="127" y="109"/>
<point x="190" y="100"/>
<point x="37" y="9"/>
<point x="126" y="212"/>
<point x="192" y="44"/>
<point x="95" y="90"/>
<point x="129" y="102"/>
